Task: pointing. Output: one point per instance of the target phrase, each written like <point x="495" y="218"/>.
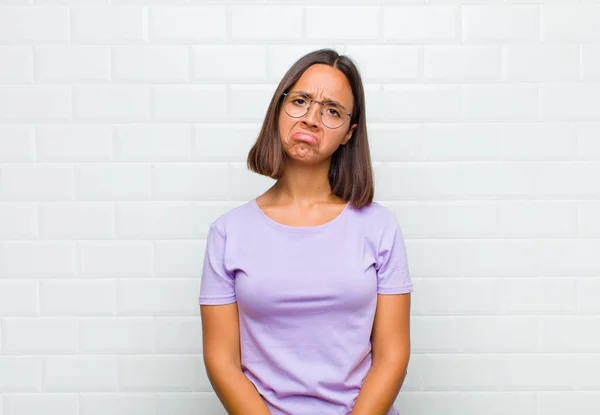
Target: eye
<point x="333" y="112"/>
<point x="299" y="101"/>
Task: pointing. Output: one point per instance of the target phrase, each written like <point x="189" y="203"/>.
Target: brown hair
<point x="350" y="174"/>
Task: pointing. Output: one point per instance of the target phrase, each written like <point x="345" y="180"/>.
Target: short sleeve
<point x="393" y="276"/>
<point x="217" y="285"/>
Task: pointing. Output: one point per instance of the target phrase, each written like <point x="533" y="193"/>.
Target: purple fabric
<point x="306" y="299"/>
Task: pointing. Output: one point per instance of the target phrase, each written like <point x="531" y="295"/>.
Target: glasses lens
<point x="295" y="105"/>
<point x="333" y="115"/>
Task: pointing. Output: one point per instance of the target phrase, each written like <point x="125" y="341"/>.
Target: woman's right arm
<point x="222" y="358"/>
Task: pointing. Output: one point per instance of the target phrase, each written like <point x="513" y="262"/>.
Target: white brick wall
<point x="124" y="127"/>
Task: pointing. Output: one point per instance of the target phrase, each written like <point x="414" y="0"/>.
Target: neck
<point x="304" y="183"/>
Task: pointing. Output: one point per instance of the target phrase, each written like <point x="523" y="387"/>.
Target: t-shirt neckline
<point x="300" y="229"/>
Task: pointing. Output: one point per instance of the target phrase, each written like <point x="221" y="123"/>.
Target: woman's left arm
<point x="390" y="341"/>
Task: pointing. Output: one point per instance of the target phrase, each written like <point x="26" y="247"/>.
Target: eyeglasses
<point x="332" y="114"/>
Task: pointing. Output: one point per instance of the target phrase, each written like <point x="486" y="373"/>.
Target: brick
<point x="72" y="374"/>
<point x="189" y="24"/>
<point x="72" y="64"/>
<point x="174" y="258"/>
<point x="17" y="65"/>
<point x="35" y="103"/>
<point x="20" y="374"/>
<point x="558" y="23"/>
<point x="538" y="219"/>
<point x="80" y="220"/>
<point x="234" y="143"/>
<point x="150" y="64"/>
<point x="224" y="62"/>
<point x="77" y="298"/>
<point x="569" y="334"/>
<point x="460" y="141"/>
<point x="561" y="179"/>
<point x="32" y="404"/>
<point x="492" y="180"/>
<point x="116" y="259"/>
<point x="16" y="143"/>
<point x="44" y="24"/>
<point x="462" y="63"/>
<point x="73" y="143"/>
<point x="459" y="219"/>
<point x="18" y="298"/>
<point x="179" y="335"/>
<point x="40" y="336"/>
<point x="500" y="102"/>
<point x="478" y="334"/>
<point x="161" y="297"/>
<point x="190" y="103"/>
<point x="590" y="61"/>
<point x="538" y="141"/>
<point x="569" y="101"/>
<point x="119" y="103"/>
<point x="416" y="181"/>
<point x="503" y="402"/>
<point x="18" y="221"/>
<point x="156" y="374"/>
<point x="420" y="102"/>
<point x="558" y="402"/>
<point x="501" y="23"/>
<point x="570" y="257"/>
<point x="589" y="145"/>
<point x="117" y="335"/>
<point x="249" y="102"/>
<point x="538" y="371"/>
<point x="154" y="221"/>
<point x="542" y="63"/>
<point x="105" y="24"/>
<point x="39" y="259"/>
<point x="155" y="142"/>
<point x="386" y="62"/>
<point x="588" y="295"/>
<point x="112" y="182"/>
<point x="539" y="295"/>
<point x="396" y="142"/>
<point x="266" y="23"/>
<point x="447" y="297"/>
<point x="121" y="403"/>
<point x="188" y="403"/>
<point x="589" y="220"/>
<point x="432" y="24"/>
<point x="342" y="23"/>
<point x="245" y="184"/>
<point x="206" y="181"/>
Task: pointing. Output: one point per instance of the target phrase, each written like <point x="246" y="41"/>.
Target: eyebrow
<point x="325" y="99"/>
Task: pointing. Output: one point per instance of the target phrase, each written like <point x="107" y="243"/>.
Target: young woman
<point x="305" y="291"/>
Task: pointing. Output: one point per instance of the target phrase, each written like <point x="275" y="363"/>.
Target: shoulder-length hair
<point x="350" y="173"/>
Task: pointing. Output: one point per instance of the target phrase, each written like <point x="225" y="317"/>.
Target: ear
<point x="349" y="134"/>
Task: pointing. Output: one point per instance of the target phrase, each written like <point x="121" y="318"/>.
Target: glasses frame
<point x="310" y="102"/>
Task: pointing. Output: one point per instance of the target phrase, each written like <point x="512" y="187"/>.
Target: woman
<point x="299" y="293"/>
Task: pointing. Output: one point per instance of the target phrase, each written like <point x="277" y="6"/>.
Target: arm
<point x="390" y="352"/>
<point x="222" y="357"/>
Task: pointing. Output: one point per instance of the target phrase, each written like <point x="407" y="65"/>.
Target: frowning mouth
<point x="309" y="138"/>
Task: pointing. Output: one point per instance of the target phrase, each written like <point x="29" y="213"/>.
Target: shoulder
<point x="376" y="215"/>
<point x="232" y="218"/>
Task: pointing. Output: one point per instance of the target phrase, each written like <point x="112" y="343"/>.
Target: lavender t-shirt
<point x="306" y="298"/>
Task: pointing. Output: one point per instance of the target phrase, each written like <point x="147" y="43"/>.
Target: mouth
<point x="308" y="138"/>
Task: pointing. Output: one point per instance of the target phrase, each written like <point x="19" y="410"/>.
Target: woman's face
<point x="306" y="138"/>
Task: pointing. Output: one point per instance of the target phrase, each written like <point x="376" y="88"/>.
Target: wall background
<point x="123" y="134"/>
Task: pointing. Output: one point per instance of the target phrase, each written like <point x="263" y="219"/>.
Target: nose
<point x="313" y="115"/>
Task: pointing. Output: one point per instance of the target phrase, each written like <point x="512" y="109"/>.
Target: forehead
<point x="325" y="82"/>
